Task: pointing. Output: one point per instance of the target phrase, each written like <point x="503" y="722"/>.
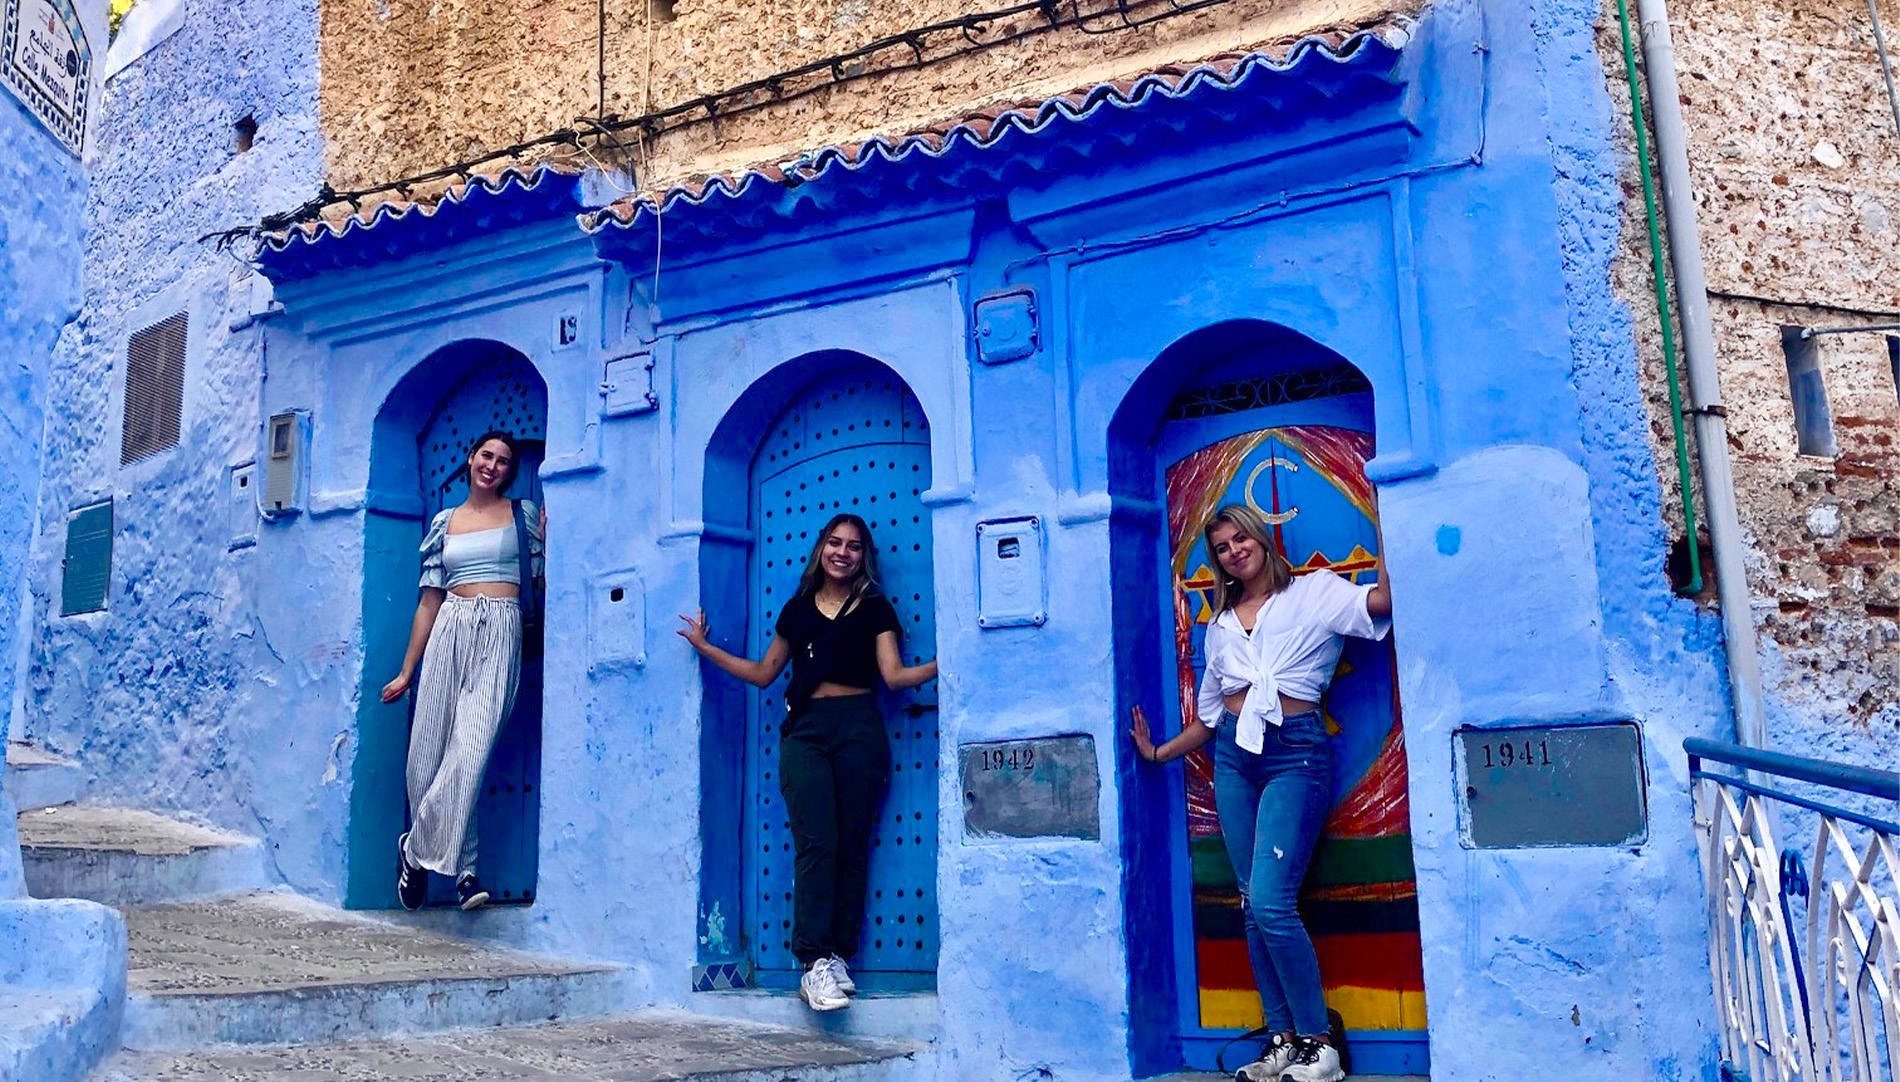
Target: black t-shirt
<point x="840" y="651"/>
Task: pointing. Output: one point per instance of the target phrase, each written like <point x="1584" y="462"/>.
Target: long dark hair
<point x="514" y="457"/>
<point x="863" y="583"/>
<point x="1248" y="521"/>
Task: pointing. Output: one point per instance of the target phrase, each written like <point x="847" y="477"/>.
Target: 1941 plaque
<point x="1551" y="785"/>
<point x="1043" y="788"/>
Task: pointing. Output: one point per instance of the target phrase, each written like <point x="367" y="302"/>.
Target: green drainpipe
<point x="1662" y="304"/>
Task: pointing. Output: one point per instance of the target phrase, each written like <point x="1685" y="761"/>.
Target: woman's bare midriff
<point x="486" y="589"/>
<point x="829" y="690"/>
<point x="1288" y="705"/>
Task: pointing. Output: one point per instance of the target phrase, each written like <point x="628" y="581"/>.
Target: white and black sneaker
<point x="819" y="989"/>
<point x="1313" y="1061"/>
<point x="412" y="882"/>
<point x="469" y="892"/>
<point x="1272" y="1063"/>
<point x="842" y="974"/>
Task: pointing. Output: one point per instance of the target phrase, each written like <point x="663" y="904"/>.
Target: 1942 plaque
<point x="1043" y="788"/>
<point x="1551" y="785"/>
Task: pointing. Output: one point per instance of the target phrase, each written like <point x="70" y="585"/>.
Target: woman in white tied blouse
<point x="1271" y="651"/>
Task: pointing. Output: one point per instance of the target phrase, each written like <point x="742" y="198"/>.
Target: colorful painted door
<point x="502" y="397"/>
<point x="856" y="442"/>
<point x="1303" y="467"/>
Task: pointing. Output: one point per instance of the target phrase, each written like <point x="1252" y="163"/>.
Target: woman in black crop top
<point x="840" y="636"/>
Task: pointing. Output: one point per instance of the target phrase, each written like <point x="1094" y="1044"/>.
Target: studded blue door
<point x="508" y="397"/>
<point x="853" y="442"/>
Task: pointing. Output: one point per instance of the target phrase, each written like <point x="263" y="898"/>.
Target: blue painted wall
<point x="41" y="234"/>
<point x="1445" y="224"/>
<point x="166" y="698"/>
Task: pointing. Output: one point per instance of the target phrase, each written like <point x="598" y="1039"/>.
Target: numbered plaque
<point x="1552" y="785"/>
<point x="1043" y="788"/>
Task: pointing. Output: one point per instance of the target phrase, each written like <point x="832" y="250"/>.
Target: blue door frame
<point x="854" y="441"/>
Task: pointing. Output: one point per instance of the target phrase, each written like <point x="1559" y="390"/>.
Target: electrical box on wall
<point x="1011" y="589"/>
<point x="287" y="446"/>
<point x="626" y="386"/>
<point x="241" y="485"/>
<point x="1005" y="326"/>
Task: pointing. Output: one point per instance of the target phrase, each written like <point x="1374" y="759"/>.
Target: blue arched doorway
<point x="1251" y="412"/>
<point x="825" y="434"/>
<point x="418" y="447"/>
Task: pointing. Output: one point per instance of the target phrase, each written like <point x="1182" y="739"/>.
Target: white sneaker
<point x="842" y="974"/>
<point x="819" y="989"/>
<point x="1314" y="1061"/>
<point x="1273" y="1061"/>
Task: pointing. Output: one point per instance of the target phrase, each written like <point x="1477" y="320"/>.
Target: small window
<point x="154" y="388"/>
<point x="86" y="572"/>
<point x="1893" y="362"/>
<point x="1814" y="428"/>
<point x="244" y="134"/>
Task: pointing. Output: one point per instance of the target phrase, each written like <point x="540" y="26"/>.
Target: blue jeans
<point x="1271" y="808"/>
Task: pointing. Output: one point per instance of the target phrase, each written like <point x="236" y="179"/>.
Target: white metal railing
<point x="1804" y="941"/>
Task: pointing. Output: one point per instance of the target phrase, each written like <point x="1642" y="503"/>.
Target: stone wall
<point x="410" y="86"/>
<point x="1796" y="164"/>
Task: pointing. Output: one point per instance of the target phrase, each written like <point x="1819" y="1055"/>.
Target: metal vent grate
<point x="86" y="572"/>
<point x="154" y="388"/>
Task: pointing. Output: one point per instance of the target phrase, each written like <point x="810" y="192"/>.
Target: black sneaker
<point x="412" y="883"/>
<point x="468" y="890"/>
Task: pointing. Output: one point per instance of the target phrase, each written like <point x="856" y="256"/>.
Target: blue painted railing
<point x="1824" y="1006"/>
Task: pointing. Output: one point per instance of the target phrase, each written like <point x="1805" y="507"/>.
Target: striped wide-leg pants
<point x="465" y="691"/>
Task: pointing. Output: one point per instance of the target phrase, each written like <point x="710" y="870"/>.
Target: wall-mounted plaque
<point x="47" y="64"/>
<point x="1043" y="788"/>
<point x="1551" y="785"/>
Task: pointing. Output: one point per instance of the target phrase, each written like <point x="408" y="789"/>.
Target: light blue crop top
<point x="450" y="560"/>
<point x="482" y="556"/>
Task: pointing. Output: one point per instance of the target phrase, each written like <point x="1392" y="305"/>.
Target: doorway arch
<point x="1249" y="411"/>
<point x="419" y="442"/>
<point x="826" y="433"/>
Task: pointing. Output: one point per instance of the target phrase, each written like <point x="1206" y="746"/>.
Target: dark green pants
<point x="834" y="768"/>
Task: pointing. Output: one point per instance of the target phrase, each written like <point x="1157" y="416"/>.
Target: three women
<point x="840" y="636"/>
<point x="466" y="635"/>
<point x="1271" y="652"/>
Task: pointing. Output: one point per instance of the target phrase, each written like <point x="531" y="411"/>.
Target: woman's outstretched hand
<point x="695" y="629"/>
<point x="396" y="688"/>
<point x="1144" y="742"/>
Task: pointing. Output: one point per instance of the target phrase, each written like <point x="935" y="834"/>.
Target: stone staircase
<point x="223" y="975"/>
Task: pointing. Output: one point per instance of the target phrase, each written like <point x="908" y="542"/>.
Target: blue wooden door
<point x="506" y="396"/>
<point x="856" y="441"/>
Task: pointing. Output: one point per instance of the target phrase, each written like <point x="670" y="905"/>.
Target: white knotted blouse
<point x="1292" y="650"/>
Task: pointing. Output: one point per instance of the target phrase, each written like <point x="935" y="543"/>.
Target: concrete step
<point x="279" y="969"/>
<point x="62" y="988"/>
<point x="36" y="778"/>
<point x="875" y="1015"/>
<point x="126" y="856"/>
<point x="643" y="1047"/>
<point x="45" y="1033"/>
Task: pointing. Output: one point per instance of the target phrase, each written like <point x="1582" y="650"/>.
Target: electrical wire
<point x="907" y="51"/>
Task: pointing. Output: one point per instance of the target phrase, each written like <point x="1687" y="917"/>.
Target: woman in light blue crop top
<point x="466" y="637"/>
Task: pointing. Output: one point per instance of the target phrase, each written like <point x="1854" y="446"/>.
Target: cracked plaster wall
<point x="1796" y="165"/>
<point x="411" y="85"/>
<point x="164" y="697"/>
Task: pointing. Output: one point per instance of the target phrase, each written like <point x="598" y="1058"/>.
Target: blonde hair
<point x="1248" y="521"/>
